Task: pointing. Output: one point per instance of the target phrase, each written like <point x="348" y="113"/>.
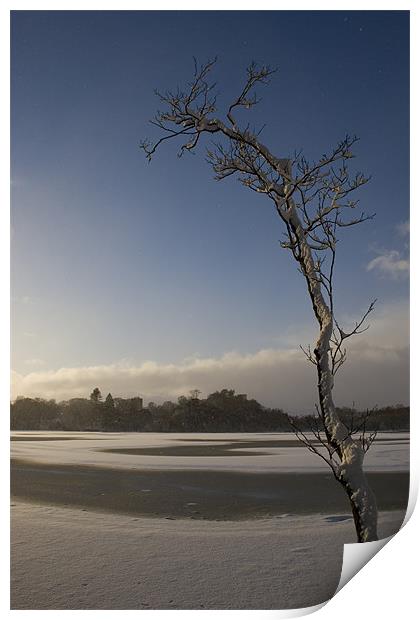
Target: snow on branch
<point x="316" y="443"/>
<point x="247" y="99"/>
<point x="189" y="112"/>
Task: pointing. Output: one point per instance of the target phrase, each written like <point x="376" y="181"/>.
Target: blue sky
<point x="117" y="262"/>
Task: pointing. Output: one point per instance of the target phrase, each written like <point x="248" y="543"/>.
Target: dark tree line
<point x="222" y="411"/>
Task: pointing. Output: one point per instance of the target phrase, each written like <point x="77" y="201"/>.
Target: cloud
<point x="391" y="264"/>
<point x="403" y="228"/>
<point x="377" y="373"/>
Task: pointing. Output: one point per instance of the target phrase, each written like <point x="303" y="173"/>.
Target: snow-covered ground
<point x="72" y="559"/>
<point x="390" y="452"/>
<point x="81" y="558"/>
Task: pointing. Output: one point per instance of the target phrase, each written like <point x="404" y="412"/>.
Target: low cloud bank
<point x="377" y="372"/>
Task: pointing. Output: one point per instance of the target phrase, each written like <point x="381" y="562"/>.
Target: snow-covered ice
<point x="390" y="452"/>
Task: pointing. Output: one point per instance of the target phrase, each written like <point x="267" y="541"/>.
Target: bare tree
<point x="314" y="200"/>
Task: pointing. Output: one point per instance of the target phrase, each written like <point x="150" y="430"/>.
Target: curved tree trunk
<point x="190" y="114"/>
<point x="349" y="451"/>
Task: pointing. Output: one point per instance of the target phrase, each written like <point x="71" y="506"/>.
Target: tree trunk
<point x="349" y="451"/>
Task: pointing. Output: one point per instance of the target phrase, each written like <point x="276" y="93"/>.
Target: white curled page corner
<point x="356" y="556"/>
<point x="304" y="611"/>
<point x="256" y="614"/>
<point x="296" y="613"/>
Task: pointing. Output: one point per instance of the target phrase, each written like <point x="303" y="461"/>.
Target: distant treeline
<point x="223" y="411"/>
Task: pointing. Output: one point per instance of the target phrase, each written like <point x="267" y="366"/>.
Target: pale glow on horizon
<point x="375" y="374"/>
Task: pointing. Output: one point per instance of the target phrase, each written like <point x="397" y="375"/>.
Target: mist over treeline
<point x="221" y="411"/>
